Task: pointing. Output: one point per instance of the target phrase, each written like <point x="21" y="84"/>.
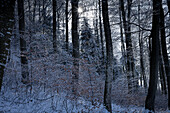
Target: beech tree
<point x="154" y="60"/>
<point x="24" y="60"/>
<point x="75" y="41"/>
<point x="66" y="13"/>
<point x="54" y="26"/>
<point x="129" y="49"/>
<point x="164" y="50"/>
<point x="109" y="52"/>
<point x="6" y="24"/>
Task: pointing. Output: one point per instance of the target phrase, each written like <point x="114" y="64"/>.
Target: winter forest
<point x="84" y="56"/>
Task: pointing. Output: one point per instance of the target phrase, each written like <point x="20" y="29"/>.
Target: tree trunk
<point x="101" y="32"/>
<point x="66" y="13"/>
<point x="162" y="73"/>
<point x="141" y="50"/>
<point x="109" y="51"/>
<point x="24" y="60"/>
<point x="154" y="63"/>
<point x="54" y="26"/>
<point x="121" y="35"/>
<point x="168" y="3"/>
<point x="129" y="49"/>
<point x="6" y="24"/>
<point x="34" y="11"/>
<point x="164" y="51"/>
<point x="75" y="41"/>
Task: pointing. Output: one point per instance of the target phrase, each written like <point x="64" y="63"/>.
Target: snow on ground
<point x="58" y="104"/>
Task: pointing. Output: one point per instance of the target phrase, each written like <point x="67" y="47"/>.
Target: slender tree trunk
<point x="54" y="26"/>
<point x="39" y="10"/>
<point x="141" y="50"/>
<point x="101" y="32"/>
<point x="121" y="35"/>
<point x="162" y="73"/>
<point x="164" y="51"/>
<point x="129" y="50"/>
<point x="109" y="51"/>
<point x="6" y="24"/>
<point x="154" y="64"/>
<point x="75" y="41"/>
<point x="34" y="11"/>
<point x="24" y="60"/>
<point x="168" y="3"/>
<point x="66" y="13"/>
<point x="44" y="15"/>
<point x="29" y="11"/>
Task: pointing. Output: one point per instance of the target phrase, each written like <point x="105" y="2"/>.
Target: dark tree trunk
<point x="34" y="11"/>
<point x="122" y="38"/>
<point x="66" y="13"/>
<point x="75" y="41"/>
<point x="44" y="15"/>
<point x="39" y="10"/>
<point x="24" y="60"/>
<point x="168" y="2"/>
<point x="54" y="26"/>
<point x="154" y="63"/>
<point x="109" y="52"/>
<point x="162" y="73"/>
<point x="164" y="51"/>
<point x="101" y="32"/>
<point x="6" y="24"/>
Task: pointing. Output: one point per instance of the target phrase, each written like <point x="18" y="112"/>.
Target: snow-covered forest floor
<point x="50" y="86"/>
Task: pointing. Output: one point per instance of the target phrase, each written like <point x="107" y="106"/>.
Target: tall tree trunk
<point x="54" y="26"/>
<point x="141" y="50"/>
<point x="168" y="3"/>
<point x="164" y="51"/>
<point x="34" y="11"/>
<point x="66" y="13"/>
<point x="109" y="51"/>
<point x="129" y="49"/>
<point x="121" y="35"/>
<point x="39" y="10"/>
<point x="154" y="64"/>
<point x="101" y="32"/>
<point x="6" y="24"/>
<point x="44" y="15"/>
<point x="24" y="60"/>
<point x="162" y="72"/>
<point x="75" y="41"/>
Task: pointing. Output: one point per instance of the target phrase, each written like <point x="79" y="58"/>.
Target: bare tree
<point x="109" y="51"/>
<point x="54" y="26"/>
<point x="75" y="41"/>
<point x="154" y="63"/>
<point x="66" y="13"/>
<point x="6" y="24"/>
<point x="164" y="50"/>
<point x="24" y="60"/>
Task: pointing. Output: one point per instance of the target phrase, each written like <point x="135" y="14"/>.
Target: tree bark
<point x="54" y="26"/>
<point x="154" y="64"/>
<point x="24" y="60"/>
<point x="168" y="3"/>
<point x="6" y="24"/>
<point x="34" y="11"/>
<point x="66" y="13"/>
<point x="164" y="51"/>
<point x="141" y="50"/>
<point x="101" y="32"/>
<point x="129" y="49"/>
<point x="75" y="41"/>
<point x="109" y="52"/>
